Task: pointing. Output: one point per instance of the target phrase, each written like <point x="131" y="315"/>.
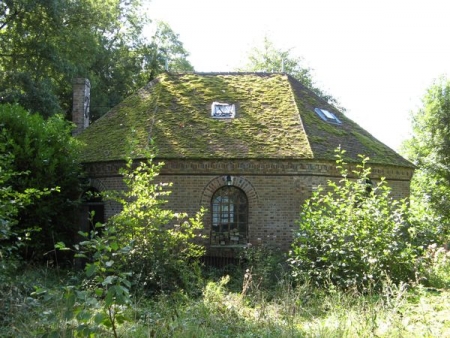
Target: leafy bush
<point x="428" y="217"/>
<point x="41" y="155"/>
<point x="161" y="249"/>
<point x="163" y="255"/>
<point x="12" y="201"/>
<point x="429" y="150"/>
<point x="138" y="249"/>
<point x="353" y="234"/>
<point x="99" y="300"/>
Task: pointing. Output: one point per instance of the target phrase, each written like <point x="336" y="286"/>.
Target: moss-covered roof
<point x="275" y="119"/>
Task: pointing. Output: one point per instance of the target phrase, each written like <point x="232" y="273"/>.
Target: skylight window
<point x="327" y="116"/>
<point x="223" y="110"/>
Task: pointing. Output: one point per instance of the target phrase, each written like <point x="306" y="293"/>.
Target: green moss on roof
<point x="275" y="120"/>
<point x="175" y="112"/>
<point x="324" y="137"/>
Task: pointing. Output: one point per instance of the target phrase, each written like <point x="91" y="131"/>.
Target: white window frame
<point x="220" y="110"/>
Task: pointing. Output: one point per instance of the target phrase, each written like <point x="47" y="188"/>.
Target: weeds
<point x="37" y="307"/>
<point x="436" y="266"/>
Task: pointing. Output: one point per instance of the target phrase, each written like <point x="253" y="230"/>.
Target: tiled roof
<point x="275" y="119"/>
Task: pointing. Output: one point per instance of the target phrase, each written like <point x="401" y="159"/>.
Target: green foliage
<point x="139" y="249"/>
<point x="100" y="301"/>
<point x="298" y="312"/>
<point x="45" y="44"/>
<point x="268" y="58"/>
<point x="38" y="157"/>
<point x="11" y="201"/>
<point x="436" y="266"/>
<point x="166" y="49"/>
<point x="265" y="267"/>
<point x="354" y="235"/>
<point x="32" y="305"/>
<point x="429" y="150"/>
<point x="163" y="255"/>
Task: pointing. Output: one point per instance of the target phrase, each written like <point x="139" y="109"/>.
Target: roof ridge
<point x="151" y="84"/>
<point x="317" y="96"/>
<point x="228" y="73"/>
<point x="298" y="110"/>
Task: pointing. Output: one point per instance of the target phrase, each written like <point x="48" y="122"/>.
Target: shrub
<point x="353" y="234"/>
<point x="100" y="299"/>
<point x="144" y="247"/>
<point x="12" y="201"/>
<point x="163" y="255"/>
<point x="42" y="155"/>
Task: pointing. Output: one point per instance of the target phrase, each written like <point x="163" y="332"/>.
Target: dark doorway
<point x="92" y="210"/>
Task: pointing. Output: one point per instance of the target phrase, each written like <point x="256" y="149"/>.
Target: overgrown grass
<point x="32" y="304"/>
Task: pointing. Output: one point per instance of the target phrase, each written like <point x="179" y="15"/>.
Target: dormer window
<point x="327" y="116"/>
<point x="223" y="110"/>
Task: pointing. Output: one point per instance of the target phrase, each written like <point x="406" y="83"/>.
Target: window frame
<point x="229" y="216"/>
<point x="231" y="114"/>
<point x="327" y="116"/>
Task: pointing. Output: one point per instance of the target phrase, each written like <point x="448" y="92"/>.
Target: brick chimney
<point x="81" y="104"/>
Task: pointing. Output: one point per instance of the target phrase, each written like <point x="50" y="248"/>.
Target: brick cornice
<point x="252" y="167"/>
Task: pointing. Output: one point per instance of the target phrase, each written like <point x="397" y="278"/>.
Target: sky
<point x="376" y="57"/>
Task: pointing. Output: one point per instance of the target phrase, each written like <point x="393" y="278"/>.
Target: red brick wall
<point x="275" y="190"/>
<point x="81" y="104"/>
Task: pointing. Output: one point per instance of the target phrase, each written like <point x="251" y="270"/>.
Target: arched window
<point x="229" y="212"/>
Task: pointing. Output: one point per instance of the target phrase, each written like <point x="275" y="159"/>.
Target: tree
<point x="123" y="69"/>
<point x="269" y="58"/>
<point x="166" y="50"/>
<point x="44" y="44"/>
<point x="40" y="155"/>
<point x="429" y="150"/>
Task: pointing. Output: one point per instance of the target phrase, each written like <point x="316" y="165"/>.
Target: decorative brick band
<point x="253" y="167"/>
<point x="236" y="181"/>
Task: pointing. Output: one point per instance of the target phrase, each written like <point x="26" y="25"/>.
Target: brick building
<point x="250" y="147"/>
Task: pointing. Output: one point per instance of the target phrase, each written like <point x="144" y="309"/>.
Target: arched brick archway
<point x="236" y="181"/>
<point x="106" y="184"/>
<point x="221" y="181"/>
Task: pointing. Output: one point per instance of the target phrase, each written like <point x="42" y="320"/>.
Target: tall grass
<point x="257" y="299"/>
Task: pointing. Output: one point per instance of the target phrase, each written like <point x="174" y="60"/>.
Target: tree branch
<point x="9" y="19"/>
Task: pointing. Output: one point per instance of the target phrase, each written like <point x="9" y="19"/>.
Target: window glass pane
<point x="229" y="216"/>
<point x="327" y="116"/>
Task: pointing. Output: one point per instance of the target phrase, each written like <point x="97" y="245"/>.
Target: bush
<point x="163" y="254"/>
<point x="12" y="202"/>
<point x="142" y="248"/>
<point x="41" y="155"/>
<point x="353" y="234"/>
